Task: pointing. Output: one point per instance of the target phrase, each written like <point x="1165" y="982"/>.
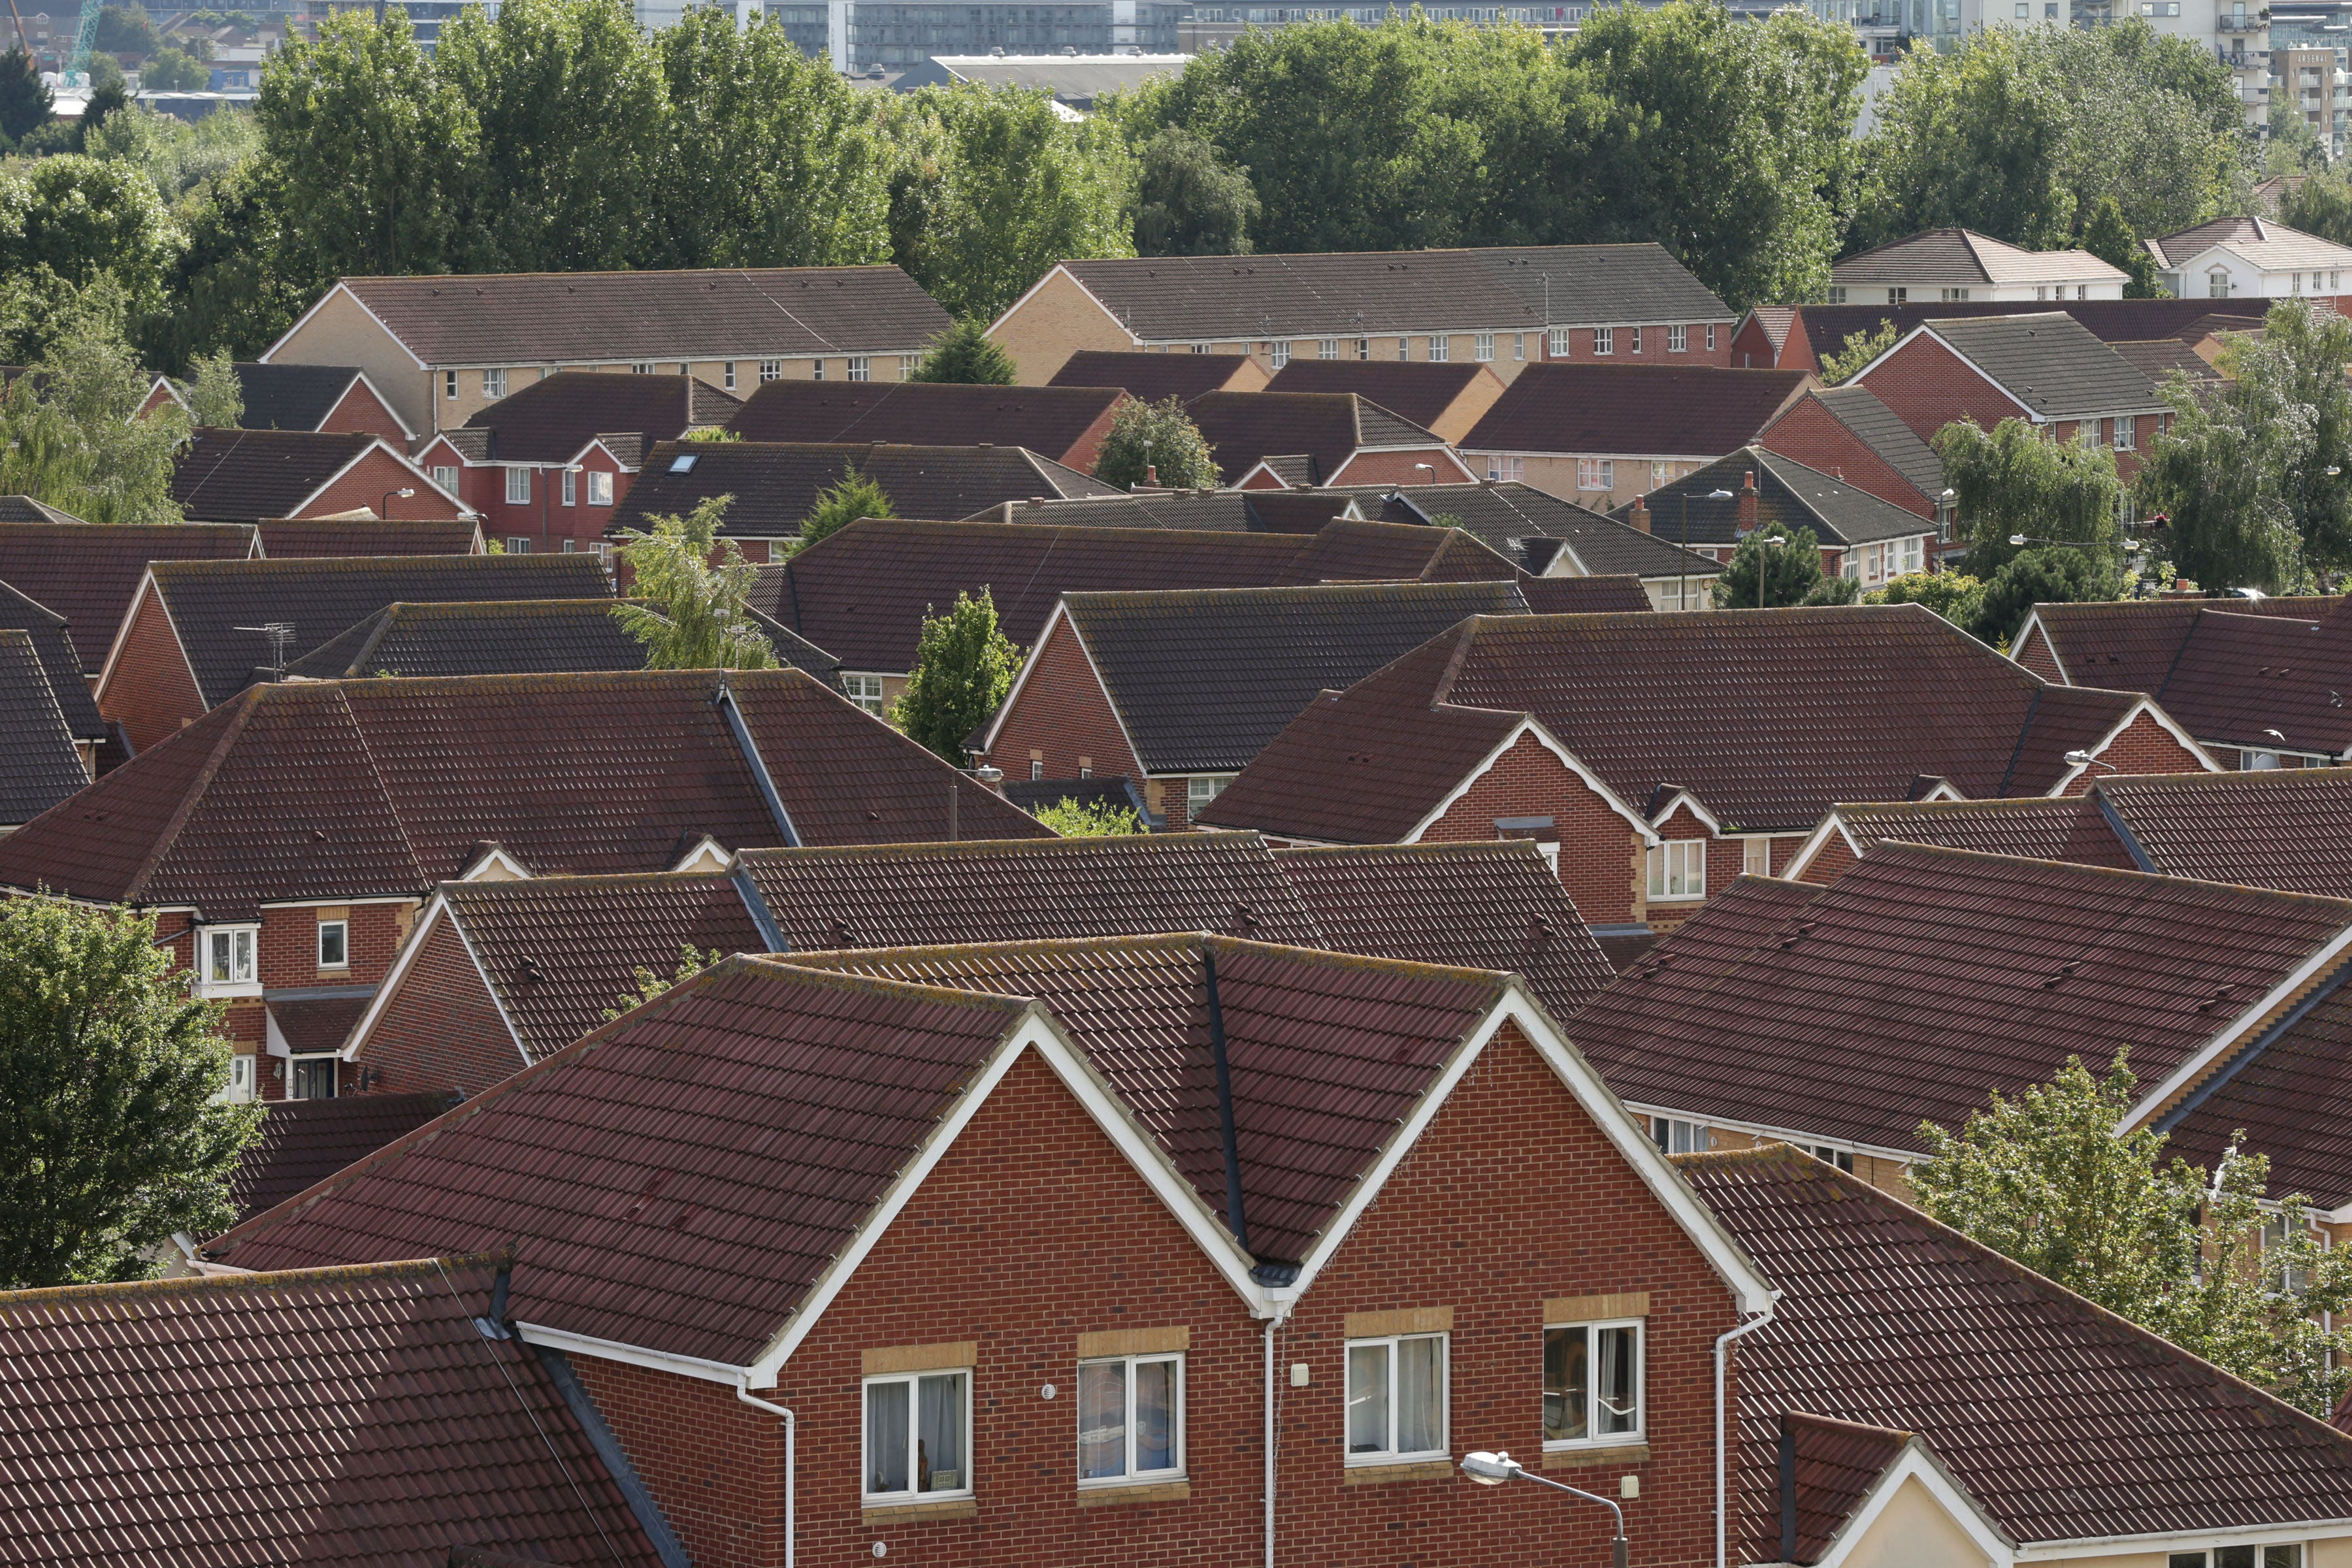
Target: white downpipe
<point x="791" y="1434"/>
<point x="1272" y="1323"/>
<point x="1722" y="1358"/>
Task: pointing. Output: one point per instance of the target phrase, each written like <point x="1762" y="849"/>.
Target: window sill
<point x="1599" y="1454"/>
<point x="229" y="989"/>
<point x="1412" y="1470"/>
<point x="949" y="1508"/>
<point x="1140" y="1493"/>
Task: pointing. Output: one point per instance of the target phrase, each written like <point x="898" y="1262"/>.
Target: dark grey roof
<point x="1203" y="678"/>
<point x="1223" y="511"/>
<point x="2051" y="363"/>
<point x="46" y="630"/>
<point x="498" y="636"/>
<point x="24" y="509"/>
<point x="1512" y="517"/>
<point x="39" y="764"/>
<point x="291" y="397"/>
<point x="776" y="483"/>
<point x="1882" y="430"/>
<point x="1361" y="293"/>
<point x="1788" y="492"/>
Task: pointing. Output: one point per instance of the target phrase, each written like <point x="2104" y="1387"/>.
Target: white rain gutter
<point x="1722" y="1357"/>
<point x="792" y="1433"/>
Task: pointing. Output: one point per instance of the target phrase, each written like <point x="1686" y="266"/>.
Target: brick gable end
<point x="441" y="1028"/>
<point x="1062" y="718"/>
<point x="2145" y="746"/>
<point x="1812" y="436"/>
<point x="1928" y="386"/>
<point x="1599" y="851"/>
<point x="151" y="691"/>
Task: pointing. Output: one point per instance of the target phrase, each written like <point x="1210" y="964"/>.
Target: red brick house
<point x="1157" y="377"/>
<point x="1861" y="535"/>
<point x="239" y="476"/>
<point x="90" y="573"/>
<point x="195" y="635"/>
<point x="336" y="398"/>
<point x="1291" y="440"/>
<point x="1664" y="755"/>
<point x="287" y="839"/>
<point x="546" y="465"/>
<point x="1800" y="336"/>
<point x="1063" y="424"/>
<point x="1846" y="432"/>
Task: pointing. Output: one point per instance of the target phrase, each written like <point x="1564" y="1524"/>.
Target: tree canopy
<point x="854" y="497"/>
<point x="966" y="354"/>
<point x="691" y="594"/>
<point x="1076" y="819"/>
<point x="67" y="436"/>
<point x="1771" y="568"/>
<point x="964" y="666"/>
<point x="1156" y="443"/>
<point x="2012" y="481"/>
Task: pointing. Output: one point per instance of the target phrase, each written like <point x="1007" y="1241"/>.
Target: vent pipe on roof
<point x="1787" y="1491"/>
<point x="1235" y="1218"/>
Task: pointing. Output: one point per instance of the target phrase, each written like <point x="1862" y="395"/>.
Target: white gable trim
<point x="1061" y="606"/>
<point x="1062" y="268"/>
<point x="1035" y="1030"/>
<point x="2241" y="1028"/>
<point x="163" y="383"/>
<point x="1685" y="801"/>
<point x="1279" y="482"/>
<point x="1339" y="475"/>
<point x="1529" y="725"/>
<point x="2142" y="706"/>
<point x="1916" y="1463"/>
<point x="1020" y="680"/>
<point x="377" y="443"/>
<point x="402" y="961"/>
<point x="498" y="859"/>
<point x="304" y="320"/>
<point x="1924" y="331"/>
<point x="569" y="1344"/>
<point x="1816" y="841"/>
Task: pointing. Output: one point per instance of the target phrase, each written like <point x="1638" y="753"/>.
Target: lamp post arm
<point x="1619" y="1513"/>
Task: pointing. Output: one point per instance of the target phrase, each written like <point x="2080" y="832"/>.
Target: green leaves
<point x="1074" y="820"/>
<point x="2012" y="479"/>
<point x="1772" y="568"/>
<point x="1156" y="444"/>
<point x="66" y="431"/>
<point x="964" y="667"/>
<point x="693" y="594"/>
<point x="854" y="497"/>
<point x="965" y="355"/>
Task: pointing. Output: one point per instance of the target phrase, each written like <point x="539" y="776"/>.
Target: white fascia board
<point x="1816" y="841"/>
<point x="570" y="1344"/>
<point x="2238" y="1030"/>
<point x="1054" y="617"/>
<point x="2131" y="716"/>
<point x="402" y="963"/>
<point x="122" y="635"/>
<point x="2187" y="1541"/>
<point x="1683" y="799"/>
<point x="1530" y="725"/>
<point x="378" y="444"/>
<point x="1917" y="1463"/>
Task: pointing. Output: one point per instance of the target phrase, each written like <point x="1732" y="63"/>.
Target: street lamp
<point x="1763" y="542"/>
<point x="383" y="506"/>
<point x="1718" y="493"/>
<point x="2080" y="759"/>
<point x="1493" y="1469"/>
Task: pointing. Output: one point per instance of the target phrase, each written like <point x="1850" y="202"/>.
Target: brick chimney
<point x="1748" y="517"/>
<point x="1641" y="515"/>
<point x="1152" y="475"/>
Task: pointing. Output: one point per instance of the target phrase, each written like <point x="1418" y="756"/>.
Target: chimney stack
<point x="1640" y="517"/>
<point x="1152" y="475"/>
<point x="1748" y="517"/>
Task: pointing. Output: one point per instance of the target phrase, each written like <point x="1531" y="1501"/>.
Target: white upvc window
<point x="918" y="1436"/>
<point x="449" y="384"/>
<point x="2217" y="284"/>
<point x="335" y="944"/>
<point x="1202" y="788"/>
<point x="643" y="367"/>
<point x="1677" y="339"/>
<point x="1327" y="349"/>
<point x="683" y="368"/>
<point x="517" y="486"/>
<point x="861" y="367"/>
<point x="1036" y="770"/>
<point x="1518" y="346"/>
<point x="1915" y="550"/>
<point x="727" y="376"/>
<point x="2289" y="1556"/>
<point x="1363" y="348"/>
<point x="1130" y="1419"/>
<point x="906" y="366"/>
<point x="518" y="543"/>
<point x="816" y="370"/>
<point x="1898" y="296"/>
<point x="1558" y="347"/>
<point x="772" y="370"/>
<point x="2041" y="290"/>
<point x="226" y="954"/>
<point x="1604" y="339"/>
<point x="1592" y="1383"/>
<point x="2127" y="432"/>
<point x="600" y="488"/>
<point x="1278" y="352"/>
<point x="1502" y="469"/>
<point x="1396" y="1399"/>
<point x="1635" y="333"/>
<point x="1596" y="473"/>
<point x="866" y="691"/>
<point x="1678" y="869"/>
<point x="1710" y="337"/>
<point x="310" y="1077"/>
<point x="1955" y="296"/>
<point x="1660" y="472"/>
<point x="494" y="383"/>
<point x="446" y="478"/>
<point x="1672" y="1135"/>
<point x="1441" y="347"/>
<point x="1837" y="295"/>
<point x="571" y="488"/>
<point x="1483" y="348"/>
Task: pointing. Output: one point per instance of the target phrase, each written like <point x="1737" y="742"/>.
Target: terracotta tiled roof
<point x="1201" y="679"/>
<point x="1051" y="420"/>
<point x="39" y="764"/>
<point x="504" y="637"/>
<point x="2070" y="827"/>
<point x="776" y="484"/>
<point x="235" y="476"/>
<point x="2009" y="967"/>
<point x="52" y="645"/>
<point x="1150" y="376"/>
<point x="212" y="602"/>
<point x="2062" y="1421"/>
<point x="1516" y="519"/>
<point x="613" y="318"/>
<point x="291" y="396"/>
<point x="2051" y="363"/>
<point x="2283" y="828"/>
<point x="1634" y="410"/>
<point x="1584" y="595"/>
<point x="1324" y="428"/>
<point x="363" y="788"/>
<point x="2131" y="645"/>
<point x="381" y="1428"/>
<point x="296" y="539"/>
<point x="304" y="1142"/>
<point x="1835" y="1464"/>
<point x="88" y="572"/>
<point x="1417" y="390"/>
<point x="553" y="419"/>
<point x="1937" y="256"/>
<point x="1757" y="733"/>
<point x="1347" y="550"/>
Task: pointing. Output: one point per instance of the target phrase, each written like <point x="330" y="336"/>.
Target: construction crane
<point x="74" y="70"/>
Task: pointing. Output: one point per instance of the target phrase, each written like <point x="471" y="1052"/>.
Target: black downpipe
<point x="1788" y="1492"/>
<point x="1234" y="1219"/>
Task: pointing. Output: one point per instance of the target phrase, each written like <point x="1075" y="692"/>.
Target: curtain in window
<point x="938" y="1434"/>
<point x="1618" y="1412"/>
<point x="1155" y="1416"/>
<point x="1102" y="1421"/>
<point x="1568" y="1384"/>
<point x="886" y="1436"/>
<point x="1420" y="1395"/>
<point x="1368" y="1399"/>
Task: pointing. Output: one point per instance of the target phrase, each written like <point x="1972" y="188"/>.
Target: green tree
<point x="692" y="595"/>
<point x="70" y="228"/>
<point x="1188" y="200"/>
<point x="2109" y="238"/>
<point x="964" y="667"/>
<point x="1148" y="438"/>
<point x="1773" y="567"/>
<point x="2321" y="204"/>
<point x="127" y="30"/>
<point x="68" y="435"/>
<point x="25" y="99"/>
<point x="854" y="497"/>
<point x="2051" y="576"/>
<point x="215" y="397"/>
<point x="1859" y="349"/>
<point x="2244" y="472"/>
<point x="966" y="354"/>
<point x="1954" y="596"/>
<point x="692" y="961"/>
<point x="2046" y="1179"/>
<point x="1075" y="819"/>
<point x="2011" y="480"/>
<point x="112" y="1135"/>
<point x="174" y="70"/>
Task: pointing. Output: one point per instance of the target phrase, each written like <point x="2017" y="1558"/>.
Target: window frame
<point x="1557" y="344"/>
<point x="600" y="488"/>
<point x="1638" y="1434"/>
<point x="1710" y="337"/>
<point x="570" y="486"/>
<point x="1129" y="1475"/>
<point x="1392" y="1455"/>
<point x="1328" y="348"/>
<point x="1604" y="342"/>
<point x="313" y="1060"/>
<point x="1278" y="352"/>
<point x="855" y="688"/>
<point x="1440" y="349"/>
<point x="449" y="385"/>
<point x="1482" y="348"/>
<point x="517" y="472"/>
<point x="912" y="1381"/>
<point x="861" y="367"/>
<point x="248" y="984"/>
<point x="342" y="930"/>
<point x="2126" y="438"/>
<point x="243" y="1087"/>
<point x="445" y="478"/>
<point x="518" y="543"/>
<point x="1203" y="789"/>
<point x="728" y="378"/>
<point x="1678" y="339"/>
<point x="494" y="383"/>
<point x="1658" y="873"/>
<point x="772" y="370"/>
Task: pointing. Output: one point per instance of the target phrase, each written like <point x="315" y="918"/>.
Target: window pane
<point x="2233" y="1557"/>
<point x="1421" y="1394"/>
<point x="886" y="1436"/>
<point x="1616" y="1410"/>
<point x="1155" y="1416"/>
<point x="939" y="1436"/>
<point x="1368" y="1399"/>
<point x="244" y="964"/>
<point x="2186" y="1560"/>
<point x="1102" y="1420"/>
<point x="1568" y="1384"/>
<point x="2282" y="1557"/>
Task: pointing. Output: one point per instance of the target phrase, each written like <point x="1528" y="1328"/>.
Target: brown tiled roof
<point x="364" y="787"/>
<point x="613" y="318"/>
<point x="237" y="476"/>
<point x="1634" y="410"/>
<point x="1516" y="519"/>
<point x="304" y="1142"/>
<point x="1202" y="678"/>
<point x="1329" y="1052"/>
<point x="300" y="538"/>
<point x="553" y="419"/>
<point x="1051" y="420"/>
<point x="1223" y="511"/>
<point x="1937" y="256"/>
<point x="39" y="764"/>
<point x="1417" y="390"/>
<point x="2131" y="645"/>
<point x="1762" y="732"/>
<point x="1584" y="595"/>
<point x="291" y="396"/>
<point x="1834" y="1465"/>
<point x="1326" y="429"/>
<point x="1347" y="550"/>
<point x="2288" y="1093"/>
<point x="1150" y="376"/>
<point x="88" y="572"/>
<point x="2062" y="1421"/>
<point x="2069" y="828"/>
<point x="51" y="644"/>
<point x="1484" y="904"/>
<point x="2009" y="967"/>
<point x="212" y="602"/>
<point x="776" y="484"/>
<point x="313" y="1019"/>
<point x="354" y="1417"/>
<point x="2284" y="828"/>
<point x="504" y="637"/>
<point x="1827" y="327"/>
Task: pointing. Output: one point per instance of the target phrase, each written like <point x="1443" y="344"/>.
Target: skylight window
<point x="683" y="463"/>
